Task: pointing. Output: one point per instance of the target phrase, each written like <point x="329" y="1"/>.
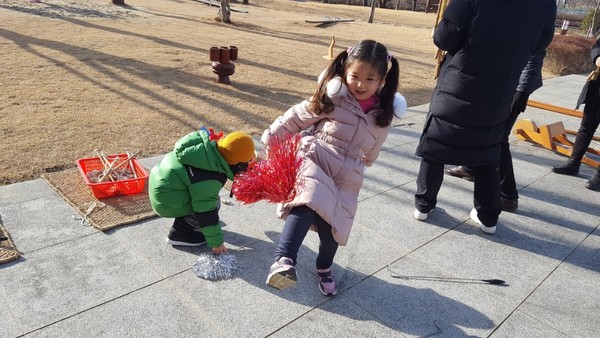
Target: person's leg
<point x="429" y="182"/>
<point x="486" y="195"/>
<point x="327" y="246"/>
<point x="594" y="182"/>
<point x="508" y="184"/>
<point x="587" y="128"/>
<point x="184" y="232"/>
<point x="327" y="249"/>
<point x="294" y="231"/>
<point x="282" y="273"/>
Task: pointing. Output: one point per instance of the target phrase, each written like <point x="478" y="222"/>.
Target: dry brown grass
<point x="569" y="54"/>
<point x="79" y="75"/>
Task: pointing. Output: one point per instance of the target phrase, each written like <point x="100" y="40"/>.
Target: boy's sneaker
<point x="420" y="216"/>
<point x="488" y="230"/>
<point x="282" y="274"/>
<point x="326" y="282"/>
<point x="185" y="238"/>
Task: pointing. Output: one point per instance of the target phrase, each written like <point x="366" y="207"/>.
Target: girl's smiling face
<point x="362" y="79"/>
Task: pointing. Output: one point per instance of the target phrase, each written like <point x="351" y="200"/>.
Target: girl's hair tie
<point x="389" y="57"/>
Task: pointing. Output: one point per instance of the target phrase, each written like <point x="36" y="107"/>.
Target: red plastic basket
<point x="110" y="189"/>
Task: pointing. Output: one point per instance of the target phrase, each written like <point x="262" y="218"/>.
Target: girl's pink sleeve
<point x="372" y="154"/>
<point x="294" y="120"/>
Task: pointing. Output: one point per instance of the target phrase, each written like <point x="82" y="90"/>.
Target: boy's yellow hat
<point x="236" y="147"/>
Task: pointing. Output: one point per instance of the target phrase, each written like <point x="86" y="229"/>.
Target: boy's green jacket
<point x="188" y="180"/>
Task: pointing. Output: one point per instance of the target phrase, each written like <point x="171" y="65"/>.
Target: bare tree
<point x="225" y="12"/>
<point x="593" y="26"/>
<point x="372" y="11"/>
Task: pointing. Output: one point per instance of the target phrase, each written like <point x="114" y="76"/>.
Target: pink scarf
<point x="367" y="104"/>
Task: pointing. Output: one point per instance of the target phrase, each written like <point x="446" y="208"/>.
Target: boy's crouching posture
<point x="185" y="185"/>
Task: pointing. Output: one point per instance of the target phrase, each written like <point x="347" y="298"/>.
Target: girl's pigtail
<point x="387" y="94"/>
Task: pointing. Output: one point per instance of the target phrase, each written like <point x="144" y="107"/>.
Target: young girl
<point x="350" y="113"/>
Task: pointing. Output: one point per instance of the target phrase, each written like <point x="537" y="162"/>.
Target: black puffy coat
<point x="590" y="93"/>
<point x="489" y="43"/>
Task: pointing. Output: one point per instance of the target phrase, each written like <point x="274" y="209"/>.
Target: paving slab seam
<point x="536" y="288"/>
<point x="101" y="304"/>
<point x="298" y="318"/>
<point x="380" y="320"/>
<point x="366" y="198"/>
<point x="530" y="317"/>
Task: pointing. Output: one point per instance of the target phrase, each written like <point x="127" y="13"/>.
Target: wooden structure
<point x="553" y="136"/>
<point x="440" y="54"/>
<point x="329" y="55"/>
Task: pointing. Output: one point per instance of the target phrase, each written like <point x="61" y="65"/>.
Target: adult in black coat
<point x="529" y="81"/>
<point x="488" y="44"/>
<point x="590" y="96"/>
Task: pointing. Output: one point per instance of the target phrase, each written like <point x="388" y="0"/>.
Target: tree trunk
<point x="225" y="11"/>
<point x="119" y="2"/>
<point x="594" y="18"/>
<point x="372" y="12"/>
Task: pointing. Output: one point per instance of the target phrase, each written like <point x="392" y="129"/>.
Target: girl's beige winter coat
<point x="336" y="151"/>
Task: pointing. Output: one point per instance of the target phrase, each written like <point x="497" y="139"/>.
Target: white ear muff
<point x="400" y="106"/>
<point x="321" y="76"/>
<point x="335" y="87"/>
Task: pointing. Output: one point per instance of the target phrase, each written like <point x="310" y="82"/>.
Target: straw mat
<point x="8" y="250"/>
<point x="103" y="214"/>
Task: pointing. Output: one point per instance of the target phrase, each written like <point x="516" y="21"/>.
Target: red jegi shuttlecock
<point x="274" y="178"/>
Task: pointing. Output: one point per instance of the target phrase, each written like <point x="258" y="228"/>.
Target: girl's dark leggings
<point x="294" y="231"/>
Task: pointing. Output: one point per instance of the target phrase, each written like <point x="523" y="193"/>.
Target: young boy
<point x="185" y="185"/>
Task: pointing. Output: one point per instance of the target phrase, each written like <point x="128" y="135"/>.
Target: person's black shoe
<point x="571" y="168"/>
<point x="594" y="182"/>
<point x="509" y="204"/>
<point x="185" y="238"/>
<point x="460" y="171"/>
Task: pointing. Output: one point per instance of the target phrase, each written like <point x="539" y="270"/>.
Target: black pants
<point x="294" y="231"/>
<point x="186" y="226"/>
<point x="587" y="128"/>
<point x="508" y="184"/>
<point x="486" y="193"/>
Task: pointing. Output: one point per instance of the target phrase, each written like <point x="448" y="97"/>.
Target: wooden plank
<point x="329" y="20"/>
<point x="556" y="109"/>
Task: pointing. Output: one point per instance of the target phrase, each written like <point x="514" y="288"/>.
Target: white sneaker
<point x="420" y="216"/>
<point x="485" y="229"/>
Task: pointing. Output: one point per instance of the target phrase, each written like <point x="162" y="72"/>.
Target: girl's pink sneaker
<point x="326" y="282"/>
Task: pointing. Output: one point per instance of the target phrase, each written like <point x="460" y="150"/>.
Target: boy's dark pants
<point x="187" y="225"/>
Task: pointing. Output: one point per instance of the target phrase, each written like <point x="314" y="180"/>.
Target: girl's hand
<point x="221" y="249"/>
